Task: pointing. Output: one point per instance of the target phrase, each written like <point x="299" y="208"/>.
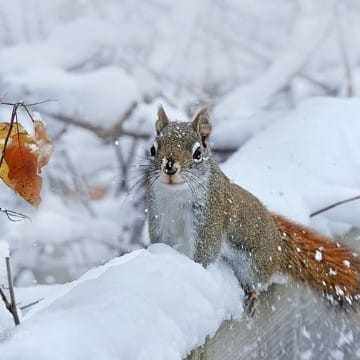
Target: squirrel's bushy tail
<point x="325" y="265"/>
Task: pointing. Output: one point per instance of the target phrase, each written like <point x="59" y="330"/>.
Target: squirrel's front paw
<point x="251" y="302"/>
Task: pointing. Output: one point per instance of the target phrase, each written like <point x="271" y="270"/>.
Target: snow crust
<point x="150" y="304"/>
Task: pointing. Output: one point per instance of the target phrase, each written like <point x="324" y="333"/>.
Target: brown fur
<point x="336" y="272"/>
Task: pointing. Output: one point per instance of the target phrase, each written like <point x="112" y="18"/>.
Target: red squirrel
<point x="194" y="207"/>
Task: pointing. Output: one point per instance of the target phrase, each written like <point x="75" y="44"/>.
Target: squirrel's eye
<point x="153" y="149"/>
<point x="196" y="152"/>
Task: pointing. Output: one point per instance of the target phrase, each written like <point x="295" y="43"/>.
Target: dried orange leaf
<point x="23" y="158"/>
<point x="4" y="134"/>
<point x="23" y="169"/>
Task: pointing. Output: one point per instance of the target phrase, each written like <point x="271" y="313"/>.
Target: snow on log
<point x="149" y="304"/>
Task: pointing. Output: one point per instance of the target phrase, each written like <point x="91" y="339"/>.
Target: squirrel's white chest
<point x="174" y="218"/>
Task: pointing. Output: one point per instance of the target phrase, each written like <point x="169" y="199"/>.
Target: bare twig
<point x="11" y="306"/>
<point x="224" y="150"/>
<point x="103" y="56"/>
<point x="331" y="90"/>
<point x="72" y="121"/>
<point x="334" y="205"/>
<point x="24" y="307"/>
<point x="78" y="184"/>
<point x="21" y="103"/>
<point x="12" y="120"/>
<point x="111" y="133"/>
<point x="57" y="136"/>
<point x="5" y="300"/>
<point x="14" y="215"/>
<point x="123" y="167"/>
<point x="124" y="164"/>
<point x="128" y="112"/>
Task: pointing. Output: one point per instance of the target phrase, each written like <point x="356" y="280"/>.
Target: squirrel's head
<point x="180" y="151"/>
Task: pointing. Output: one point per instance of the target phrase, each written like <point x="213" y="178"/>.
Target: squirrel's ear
<point x="162" y="120"/>
<point x="202" y="125"/>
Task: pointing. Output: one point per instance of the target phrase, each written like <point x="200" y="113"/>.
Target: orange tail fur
<point x="325" y="265"/>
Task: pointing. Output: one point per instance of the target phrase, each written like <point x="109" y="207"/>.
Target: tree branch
<point x="334" y="205"/>
<point x="10" y="306"/>
<point x="12" y="293"/>
<point x="14" y="215"/>
<point x="78" y="183"/>
<point x="5" y="300"/>
<point x="113" y="132"/>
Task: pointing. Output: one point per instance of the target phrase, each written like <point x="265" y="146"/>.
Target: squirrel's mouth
<point x="172" y="180"/>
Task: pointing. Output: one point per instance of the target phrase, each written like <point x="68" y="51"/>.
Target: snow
<point x="150" y="304"/>
<point x="88" y="37"/>
<point x="241" y="108"/>
<point x="305" y="160"/>
<point x="318" y="255"/>
<point x="96" y="59"/>
<point x="308" y="31"/>
<point x="4" y="249"/>
<point x="73" y="91"/>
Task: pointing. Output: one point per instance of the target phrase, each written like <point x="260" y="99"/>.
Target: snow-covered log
<point x="157" y="304"/>
<point x="151" y="304"/>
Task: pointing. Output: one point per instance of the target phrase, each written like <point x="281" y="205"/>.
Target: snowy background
<point x="278" y="76"/>
<point x="109" y="64"/>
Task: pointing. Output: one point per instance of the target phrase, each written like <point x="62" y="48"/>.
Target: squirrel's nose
<point x="169" y="167"/>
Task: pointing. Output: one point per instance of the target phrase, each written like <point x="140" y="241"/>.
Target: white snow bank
<point x="231" y="129"/>
<point x="308" y="159"/>
<point x="150" y="304"/>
